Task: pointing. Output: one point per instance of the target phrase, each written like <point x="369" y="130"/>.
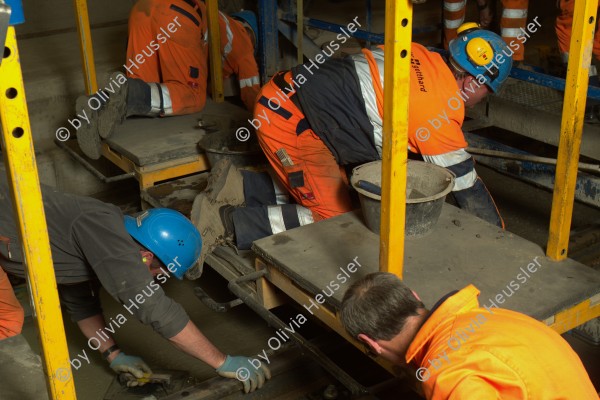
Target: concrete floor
<point x="52" y="75"/>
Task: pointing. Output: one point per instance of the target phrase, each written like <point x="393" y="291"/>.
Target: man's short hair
<point x="378" y="306"/>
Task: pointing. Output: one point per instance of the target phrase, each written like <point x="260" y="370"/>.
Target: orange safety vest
<point x="436" y="109"/>
<point x="473" y="353"/>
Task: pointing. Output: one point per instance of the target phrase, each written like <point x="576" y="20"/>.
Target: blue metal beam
<point x="587" y="189"/>
<point x="268" y="34"/>
<point x="549" y="81"/>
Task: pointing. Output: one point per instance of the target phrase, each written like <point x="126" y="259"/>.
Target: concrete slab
<point x="147" y="141"/>
<point x="461" y="250"/>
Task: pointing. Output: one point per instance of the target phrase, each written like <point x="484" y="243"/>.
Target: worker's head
<point x="479" y="60"/>
<point x="377" y="309"/>
<point x="169" y="236"/>
<point x="248" y="19"/>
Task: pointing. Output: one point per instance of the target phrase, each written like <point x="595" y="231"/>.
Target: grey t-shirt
<point x="88" y="239"/>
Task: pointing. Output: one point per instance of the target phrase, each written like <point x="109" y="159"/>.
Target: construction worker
<point x="93" y="245"/>
<point x="238" y="47"/>
<point x="166" y="68"/>
<point x="514" y="18"/>
<point x="11" y="312"/>
<point x="323" y="115"/>
<point x="461" y="350"/>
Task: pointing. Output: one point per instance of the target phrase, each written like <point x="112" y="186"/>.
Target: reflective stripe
<point x="276" y="219"/>
<point x="453" y="158"/>
<point x="249" y="82"/>
<point x="154" y="100"/>
<point x="453" y="23"/>
<point x="514" y="13"/>
<point x="281" y="194"/>
<point x="368" y="92"/>
<point x="229" y="45"/>
<point x="453" y="7"/>
<point x="304" y="215"/>
<point x="465" y="181"/>
<point x="511" y="32"/>
<point x="160" y="101"/>
<point x="167" y="104"/>
<point x="448" y="159"/>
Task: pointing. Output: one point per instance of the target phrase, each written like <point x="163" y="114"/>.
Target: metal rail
<point x="584" y="23"/>
<point x="85" y="46"/>
<point x="216" y="64"/>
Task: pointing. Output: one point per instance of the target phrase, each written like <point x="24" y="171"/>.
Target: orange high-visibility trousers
<point x="316" y="181"/>
<point x="514" y="17"/>
<point x="168" y="44"/>
<point x="11" y="312"/>
<point x="564" y="22"/>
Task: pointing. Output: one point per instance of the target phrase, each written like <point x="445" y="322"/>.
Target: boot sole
<point x="87" y="134"/>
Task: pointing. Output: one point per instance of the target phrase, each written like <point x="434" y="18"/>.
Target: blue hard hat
<point x="169" y="235"/>
<point x="481" y="53"/>
<point x="250" y="18"/>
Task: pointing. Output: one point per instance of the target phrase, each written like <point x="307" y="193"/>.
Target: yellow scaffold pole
<point x="216" y="64"/>
<point x="19" y="158"/>
<point x="580" y="56"/>
<point x="398" y="31"/>
<point x="85" y="46"/>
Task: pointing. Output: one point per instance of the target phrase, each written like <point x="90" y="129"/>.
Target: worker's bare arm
<point x="193" y="342"/>
<point x="90" y="328"/>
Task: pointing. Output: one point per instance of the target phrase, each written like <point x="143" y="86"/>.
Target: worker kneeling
<point x="93" y="245"/>
<point x="463" y="351"/>
<point x="334" y="115"/>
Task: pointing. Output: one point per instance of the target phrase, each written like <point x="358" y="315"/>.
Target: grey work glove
<point x="132" y="364"/>
<point x="241" y="368"/>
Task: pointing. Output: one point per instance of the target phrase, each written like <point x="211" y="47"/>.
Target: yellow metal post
<point x="216" y="64"/>
<point x="398" y="30"/>
<point x="580" y="55"/>
<point x="19" y="158"/>
<point x="85" y="45"/>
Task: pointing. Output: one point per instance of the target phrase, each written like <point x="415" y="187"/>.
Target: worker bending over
<point x="514" y="18"/>
<point x="93" y="245"/>
<point x="460" y="350"/>
<point x="167" y="67"/>
<point x="323" y="115"/>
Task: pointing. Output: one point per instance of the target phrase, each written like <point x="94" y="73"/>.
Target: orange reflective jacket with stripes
<point x="467" y="352"/>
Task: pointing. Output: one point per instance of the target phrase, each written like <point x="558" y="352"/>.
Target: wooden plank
<point x="461" y="250"/>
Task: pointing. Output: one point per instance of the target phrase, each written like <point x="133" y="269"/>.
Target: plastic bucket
<point x="224" y="144"/>
<point x="426" y="188"/>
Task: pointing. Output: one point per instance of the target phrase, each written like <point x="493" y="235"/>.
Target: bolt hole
<point x="404" y="22"/>
<point x="18" y="132"/>
<point x="563" y="252"/>
<point x="11" y="93"/>
<point x="403" y="53"/>
<point x="6" y="52"/>
<point x="591" y="20"/>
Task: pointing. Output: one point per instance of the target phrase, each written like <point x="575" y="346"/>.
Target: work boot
<point x="87" y="134"/>
<point x="225" y="184"/>
<point x="205" y="216"/>
<point x="116" y="110"/>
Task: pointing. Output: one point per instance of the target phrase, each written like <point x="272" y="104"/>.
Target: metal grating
<point x="532" y="95"/>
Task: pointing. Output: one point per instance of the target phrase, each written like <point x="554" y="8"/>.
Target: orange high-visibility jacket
<point x="237" y="51"/>
<point x="473" y="353"/>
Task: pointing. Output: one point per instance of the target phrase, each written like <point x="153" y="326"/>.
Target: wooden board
<point x="147" y="141"/>
<point x="461" y="250"/>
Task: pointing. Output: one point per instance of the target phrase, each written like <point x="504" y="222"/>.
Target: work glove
<point x="242" y="369"/>
<point x="132" y="364"/>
